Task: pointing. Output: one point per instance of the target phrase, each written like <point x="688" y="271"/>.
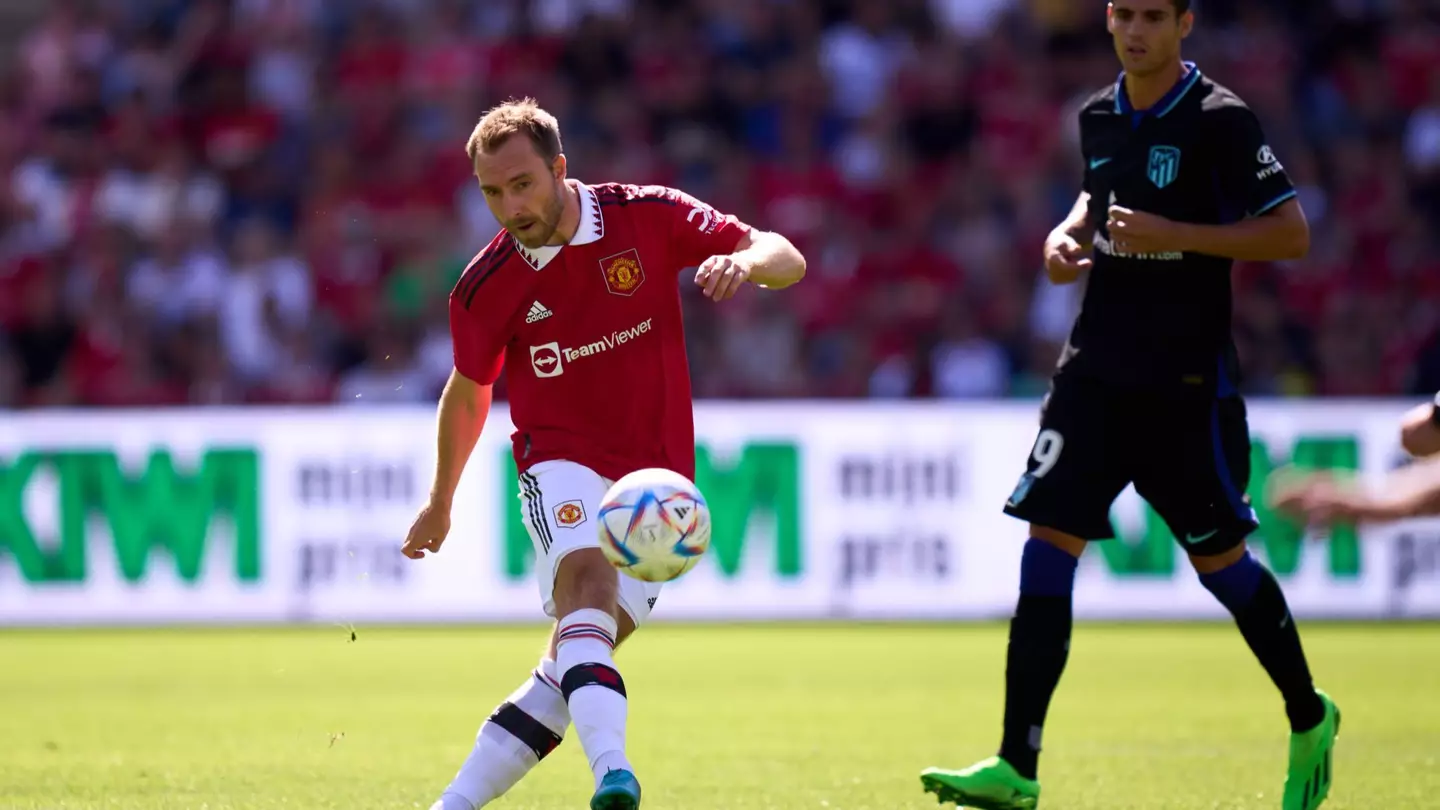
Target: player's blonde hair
<point x="524" y="117"/>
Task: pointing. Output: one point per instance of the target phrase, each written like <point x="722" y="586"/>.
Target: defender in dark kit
<point x="1179" y="183"/>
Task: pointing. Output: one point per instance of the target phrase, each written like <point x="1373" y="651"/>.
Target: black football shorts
<point x="1187" y="452"/>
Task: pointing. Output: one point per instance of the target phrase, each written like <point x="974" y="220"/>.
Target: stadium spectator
<point x="218" y="201"/>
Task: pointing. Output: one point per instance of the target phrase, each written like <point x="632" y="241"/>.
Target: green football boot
<point x="991" y="784"/>
<point x="1307" y="782"/>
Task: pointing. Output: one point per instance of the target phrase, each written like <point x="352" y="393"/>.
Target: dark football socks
<point x="1039" y="646"/>
<point x="1249" y="591"/>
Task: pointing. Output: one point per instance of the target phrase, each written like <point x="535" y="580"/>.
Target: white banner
<point x="865" y="511"/>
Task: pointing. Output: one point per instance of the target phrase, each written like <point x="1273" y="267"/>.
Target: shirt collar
<point x="1166" y="102"/>
<point x="590" y="229"/>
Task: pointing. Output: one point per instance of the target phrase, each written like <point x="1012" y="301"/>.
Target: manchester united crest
<point x="569" y="514"/>
<point x="623" y="273"/>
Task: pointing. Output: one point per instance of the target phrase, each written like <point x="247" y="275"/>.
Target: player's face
<point x="525" y="194"/>
<point x="1147" y="34"/>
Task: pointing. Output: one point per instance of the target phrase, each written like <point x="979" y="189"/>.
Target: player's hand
<point x="1305" y="498"/>
<point x="1139" y="232"/>
<point x="428" y="532"/>
<point x="1321" y="499"/>
<point x="722" y="276"/>
<point x="1065" y="257"/>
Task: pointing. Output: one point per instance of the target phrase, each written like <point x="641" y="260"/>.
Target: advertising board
<point x="821" y="511"/>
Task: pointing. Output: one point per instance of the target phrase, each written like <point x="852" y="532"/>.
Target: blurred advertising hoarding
<point x="821" y="511"/>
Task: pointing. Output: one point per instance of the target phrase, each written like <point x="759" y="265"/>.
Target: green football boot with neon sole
<point x="990" y="784"/>
<point x="1307" y="782"/>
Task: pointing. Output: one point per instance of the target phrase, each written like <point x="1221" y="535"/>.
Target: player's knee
<point x="1235" y="578"/>
<point x="1210" y="561"/>
<point x="625" y="628"/>
<point x="1046" y="570"/>
<point x="1069" y="543"/>
<point x="585" y="579"/>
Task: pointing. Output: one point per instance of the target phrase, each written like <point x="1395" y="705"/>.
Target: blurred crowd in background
<point x="267" y="201"/>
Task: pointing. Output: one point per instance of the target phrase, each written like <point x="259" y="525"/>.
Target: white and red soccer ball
<point x="654" y="525"/>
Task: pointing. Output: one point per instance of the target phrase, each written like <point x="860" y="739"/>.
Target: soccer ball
<point x="654" y="525"/>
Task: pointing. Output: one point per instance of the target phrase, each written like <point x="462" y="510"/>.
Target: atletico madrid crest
<point x="623" y="273"/>
<point x="1164" y="165"/>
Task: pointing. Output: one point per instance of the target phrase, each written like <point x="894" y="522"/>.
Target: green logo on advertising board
<point x="155" y="508"/>
<point x="753" y="497"/>
<point x="1281" y="540"/>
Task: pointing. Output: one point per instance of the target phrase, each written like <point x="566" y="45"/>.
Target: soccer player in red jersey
<point x="578" y="299"/>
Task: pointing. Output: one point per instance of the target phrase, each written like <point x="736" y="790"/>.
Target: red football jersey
<point x="590" y="333"/>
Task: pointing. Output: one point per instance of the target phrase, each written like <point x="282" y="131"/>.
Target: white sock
<point x="528" y="725"/>
<point x="596" y="693"/>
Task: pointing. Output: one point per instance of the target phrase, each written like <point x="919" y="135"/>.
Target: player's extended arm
<point x="1408" y="493"/>
<point x="464" y="405"/>
<point x="1281" y="233"/>
<point x="1323" y="498"/>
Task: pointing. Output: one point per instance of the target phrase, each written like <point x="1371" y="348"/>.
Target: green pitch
<point x="749" y="718"/>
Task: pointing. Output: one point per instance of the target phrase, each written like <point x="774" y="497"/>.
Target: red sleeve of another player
<point x="699" y="231"/>
<point x="479" y="343"/>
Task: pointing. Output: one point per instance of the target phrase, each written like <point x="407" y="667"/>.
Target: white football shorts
<point x="560" y="505"/>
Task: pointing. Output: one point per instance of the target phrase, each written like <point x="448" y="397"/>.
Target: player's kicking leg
<point x="577" y="681"/>
<point x="595" y="605"/>
<point x="587" y="602"/>
<point x="1252" y="595"/>
<point x="521" y="732"/>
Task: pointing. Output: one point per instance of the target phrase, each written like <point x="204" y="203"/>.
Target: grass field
<point x="743" y="717"/>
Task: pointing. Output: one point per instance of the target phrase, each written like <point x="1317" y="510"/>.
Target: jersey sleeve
<point x="698" y="231"/>
<point x="1254" y="178"/>
<point x="478" y="342"/>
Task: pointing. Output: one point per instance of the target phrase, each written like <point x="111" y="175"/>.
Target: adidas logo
<point x="538" y="312"/>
